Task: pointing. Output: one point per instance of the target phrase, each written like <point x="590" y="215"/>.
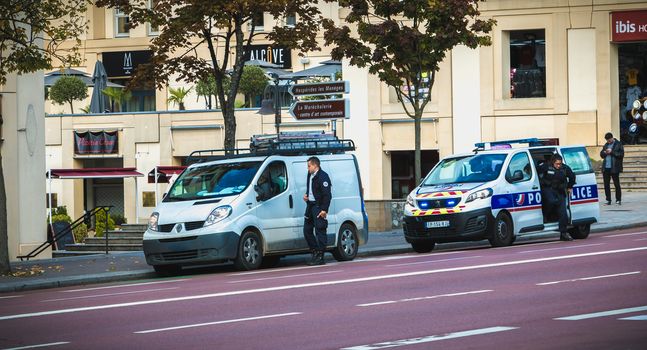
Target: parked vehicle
<point x="494" y="194"/>
<point x="248" y="208"/>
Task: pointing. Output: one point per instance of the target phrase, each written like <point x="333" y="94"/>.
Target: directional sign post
<point x="321" y="109"/>
<point x="325" y="88"/>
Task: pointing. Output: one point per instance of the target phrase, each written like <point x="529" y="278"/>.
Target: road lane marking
<point x="408" y="256"/>
<point x="39" y="345"/>
<point x="433" y="261"/>
<point x="11" y="296"/>
<point x="217" y="322"/>
<point x="122" y="286"/>
<point x="560" y="248"/>
<point x="109" y="294"/>
<point x="603" y="314"/>
<point x="588" y="278"/>
<point x="317" y="284"/>
<point x="625" y="234"/>
<point x="430" y="338"/>
<point x="640" y="239"/>
<point x="285" y="276"/>
<point x="635" y="318"/>
<point x="426" y="298"/>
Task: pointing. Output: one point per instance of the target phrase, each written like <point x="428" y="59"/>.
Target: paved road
<point x="588" y="294"/>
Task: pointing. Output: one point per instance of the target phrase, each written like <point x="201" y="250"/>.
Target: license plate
<point x="436" y="224"/>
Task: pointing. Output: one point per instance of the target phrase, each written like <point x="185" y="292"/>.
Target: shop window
<point x="122" y="24"/>
<point x="402" y="173"/>
<point x="148" y="199"/>
<point x="527" y="63"/>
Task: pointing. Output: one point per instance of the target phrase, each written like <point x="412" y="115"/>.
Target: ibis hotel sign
<point x="629" y="26"/>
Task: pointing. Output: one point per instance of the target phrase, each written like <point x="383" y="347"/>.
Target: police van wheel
<point x="423" y="247"/>
<point x="502" y="233"/>
<point x="346" y="248"/>
<point x="167" y="270"/>
<point x="250" y="251"/>
<point x="580" y="231"/>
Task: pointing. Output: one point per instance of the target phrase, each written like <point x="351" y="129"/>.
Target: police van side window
<point x="519" y="169"/>
<point x="578" y="160"/>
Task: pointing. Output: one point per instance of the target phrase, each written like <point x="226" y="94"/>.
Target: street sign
<point x="325" y="88"/>
<point x="321" y="109"/>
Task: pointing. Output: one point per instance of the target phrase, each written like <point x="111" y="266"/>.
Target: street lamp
<point x="269" y="106"/>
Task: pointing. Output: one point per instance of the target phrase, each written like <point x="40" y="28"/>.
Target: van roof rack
<point x="504" y="144"/>
<point x="284" y="143"/>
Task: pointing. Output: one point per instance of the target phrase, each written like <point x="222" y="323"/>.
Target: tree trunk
<point x="5" y="267"/>
<point x="71" y="107"/>
<point x="417" y="158"/>
<point x="181" y="106"/>
<point x="230" y="125"/>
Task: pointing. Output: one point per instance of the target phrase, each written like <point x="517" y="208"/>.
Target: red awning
<point x="164" y="173"/>
<point x="94" y="173"/>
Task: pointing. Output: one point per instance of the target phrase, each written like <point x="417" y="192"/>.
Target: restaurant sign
<point x="95" y="142"/>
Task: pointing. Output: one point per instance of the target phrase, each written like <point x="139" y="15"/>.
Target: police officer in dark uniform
<point x="317" y="198"/>
<point x="557" y="180"/>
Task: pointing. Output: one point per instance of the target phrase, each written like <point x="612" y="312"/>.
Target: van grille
<point x="193" y="225"/>
<point x="166" y="227"/>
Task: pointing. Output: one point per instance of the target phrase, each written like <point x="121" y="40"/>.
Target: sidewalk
<point x="101" y="268"/>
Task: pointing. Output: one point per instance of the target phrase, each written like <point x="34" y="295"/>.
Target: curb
<point x="21" y="286"/>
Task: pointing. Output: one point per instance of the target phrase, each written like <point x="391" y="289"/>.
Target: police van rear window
<point x="578" y="159"/>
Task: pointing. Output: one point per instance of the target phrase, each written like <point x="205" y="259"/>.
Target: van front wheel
<point x="502" y="234"/>
<point x="346" y="248"/>
<point x="250" y="251"/>
<point x="580" y="231"/>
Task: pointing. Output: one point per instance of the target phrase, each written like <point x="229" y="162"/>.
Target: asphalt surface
<point x="122" y="266"/>
<point x="586" y="294"/>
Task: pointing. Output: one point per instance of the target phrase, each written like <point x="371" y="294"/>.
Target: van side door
<point x="584" y="198"/>
<point x="523" y="183"/>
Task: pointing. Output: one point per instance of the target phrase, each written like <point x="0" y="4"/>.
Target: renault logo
<point x="178" y="228"/>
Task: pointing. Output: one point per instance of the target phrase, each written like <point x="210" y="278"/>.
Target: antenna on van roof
<point x="284" y="143"/>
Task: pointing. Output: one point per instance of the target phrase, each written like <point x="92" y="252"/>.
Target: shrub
<point x="59" y="214"/>
<point x="100" y="223"/>
<point x="80" y="233"/>
<point x="119" y="219"/>
<point x="67" y="89"/>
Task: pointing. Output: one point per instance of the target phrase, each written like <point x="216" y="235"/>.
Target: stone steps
<point x="128" y="238"/>
<point x="98" y="248"/>
<point x="634" y="175"/>
<point x="114" y="240"/>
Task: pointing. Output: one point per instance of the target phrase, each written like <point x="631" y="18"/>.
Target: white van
<point x="494" y="194"/>
<point x="249" y="209"/>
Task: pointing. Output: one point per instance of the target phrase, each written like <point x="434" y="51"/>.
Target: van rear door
<point x="584" y="199"/>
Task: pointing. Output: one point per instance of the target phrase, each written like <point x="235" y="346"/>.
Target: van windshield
<point x="211" y="181"/>
<point x="473" y="168"/>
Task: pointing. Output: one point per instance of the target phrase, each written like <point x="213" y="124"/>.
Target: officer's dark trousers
<point x="607" y="176"/>
<point x="316" y="241"/>
<point x="554" y="202"/>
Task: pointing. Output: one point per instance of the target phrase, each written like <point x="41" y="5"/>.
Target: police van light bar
<point x="503" y="144"/>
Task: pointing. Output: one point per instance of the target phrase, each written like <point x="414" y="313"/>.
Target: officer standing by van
<point x="317" y="198"/>
<point x="557" y="181"/>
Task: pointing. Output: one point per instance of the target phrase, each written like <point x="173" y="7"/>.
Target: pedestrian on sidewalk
<point x="317" y="198"/>
<point x="612" y="154"/>
<point x="557" y="181"/>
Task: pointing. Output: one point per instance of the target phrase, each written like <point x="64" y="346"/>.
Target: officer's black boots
<point x="564" y="236"/>
<point x="317" y="259"/>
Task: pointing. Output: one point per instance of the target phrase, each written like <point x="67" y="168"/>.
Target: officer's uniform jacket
<point x="321" y="189"/>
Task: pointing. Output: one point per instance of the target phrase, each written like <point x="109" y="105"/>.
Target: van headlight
<point x="410" y="201"/>
<point x="481" y="194"/>
<point x="152" y="221"/>
<point x="218" y="214"/>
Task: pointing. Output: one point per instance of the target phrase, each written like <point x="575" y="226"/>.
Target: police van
<point x="494" y="193"/>
<point x="248" y="207"/>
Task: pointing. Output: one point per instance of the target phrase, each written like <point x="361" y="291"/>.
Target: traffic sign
<point x="325" y="88"/>
<point x="321" y="109"/>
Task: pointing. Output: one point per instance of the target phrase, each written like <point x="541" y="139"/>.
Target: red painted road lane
<point x="515" y="298"/>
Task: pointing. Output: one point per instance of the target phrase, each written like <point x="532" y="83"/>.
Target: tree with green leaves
<point x="68" y="89"/>
<point x="253" y="83"/>
<point x="118" y="97"/>
<point x="223" y="29"/>
<point x="177" y="96"/>
<point x="404" y="42"/>
<point x="23" y="25"/>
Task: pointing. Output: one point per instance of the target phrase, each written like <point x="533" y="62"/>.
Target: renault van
<point x="494" y="193"/>
<point x="249" y="209"/>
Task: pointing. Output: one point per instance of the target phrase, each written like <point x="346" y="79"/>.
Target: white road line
<point x="430" y="338"/>
<point x="286" y="276"/>
<point x="635" y="318"/>
<point x="11" y="296"/>
<point x="625" y="234"/>
<point x="603" y="314"/>
<point x="39" y="345"/>
<point x="588" y="278"/>
<point x="433" y="261"/>
<point x="123" y="286"/>
<point x="318" y="284"/>
<point x="561" y="248"/>
<point x="217" y="322"/>
<point x="425" y="298"/>
<point x="640" y="239"/>
<point x="109" y="294"/>
<point x="408" y="256"/>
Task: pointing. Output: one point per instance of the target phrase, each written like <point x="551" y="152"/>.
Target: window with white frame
<point x="122" y="28"/>
<point x="527" y="63"/>
<point x="258" y="22"/>
<point x="291" y="20"/>
<point x="152" y="29"/>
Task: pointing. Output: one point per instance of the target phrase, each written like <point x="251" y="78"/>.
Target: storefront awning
<point x="164" y="173"/>
<point x="93" y="173"/>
